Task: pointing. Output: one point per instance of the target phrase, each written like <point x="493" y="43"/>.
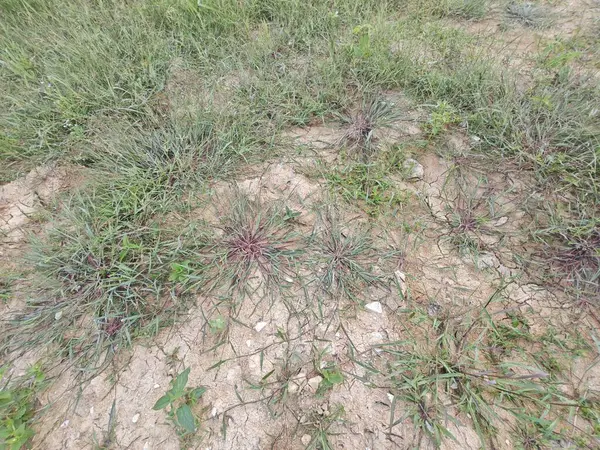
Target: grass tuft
<point x="256" y="239"/>
<point x="527" y="13"/>
<point x="343" y="259"/>
<point x="361" y="125"/>
<point x="574" y="256"/>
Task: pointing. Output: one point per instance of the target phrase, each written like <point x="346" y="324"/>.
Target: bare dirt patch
<point x="22" y="202"/>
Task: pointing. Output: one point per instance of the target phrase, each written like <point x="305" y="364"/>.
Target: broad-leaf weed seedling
<point x="18" y="407"/>
<point x="178" y="403"/>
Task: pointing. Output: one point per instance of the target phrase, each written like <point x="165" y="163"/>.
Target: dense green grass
<point x="293" y="62"/>
<point x="160" y="98"/>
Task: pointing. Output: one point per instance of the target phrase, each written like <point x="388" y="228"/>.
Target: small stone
<point x="288" y="279"/>
<point x="135" y="418"/>
<point x="332" y="349"/>
<point x="486" y="260"/>
<point x="58" y="315"/>
<point x="433" y="309"/>
<point x="314" y="382"/>
<point x="401" y="279"/>
<point x="475" y="138"/>
<point x="146" y="446"/>
<point x="376" y="336"/>
<point x="414" y="170"/>
<point x="156" y="386"/>
<point x="374" y="307"/>
<point x="260" y="326"/>
<point x="92" y="411"/>
<point x="214" y="412"/>
<point x="504" y="271"/>
<point x="306" y="439"/>
<point x="501" y="221"/>
<point x="65" y="424"/>
<point x="293" y="388"/>
<point x="390" y="397"/>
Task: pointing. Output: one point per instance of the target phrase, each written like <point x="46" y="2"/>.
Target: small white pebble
<point x="65" y="424"/>
<point x="401" y="279"/>
<point x="390" y="397"/>
<point x="58" y="315"/>
<point x="374" y="307"/>
<point x="414" y="169"/>
<point x="260" y="326"/>
<point x="377" y="336"/>
<point x="214" y="412"/>
<point x="135" y="418"/>
<point x="314" y="382"/>
<point x="305" y="439"/>
<point x="501" y="221"/>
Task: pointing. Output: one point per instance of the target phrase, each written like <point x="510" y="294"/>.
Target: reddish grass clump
<point x="580" y="253"/>
<point x="359" y="129"/>
<point x="251" y="244"/>
<point x="256" y="237"/>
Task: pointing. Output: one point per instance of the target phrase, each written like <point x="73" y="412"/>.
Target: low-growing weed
<point x="257" y="239"/>
<point x="343" y="259"/>
<point x="178" y="403"/>
<point x="18" y="407"/>
<point x="367" y="184"/>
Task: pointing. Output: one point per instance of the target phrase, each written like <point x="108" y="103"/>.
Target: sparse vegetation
<point x="256" y="238"/>
<point x="368" y="185"/>
<point x="180" y="400"/>
<point x="19" y="407"/>
<point x="201" y="157"/>
<point x="343" y="258"/>
<point x="530" y="14"/>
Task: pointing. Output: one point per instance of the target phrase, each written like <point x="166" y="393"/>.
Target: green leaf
<point x="333" y="376"/>
<point x="162" y="402"/>
<point x="185" y="418"/>
<point x="180" y="382"/>
<point x="217" y="364"/>
<point x="217" y="324"/>
<point x="196" y="393"/>
<point x="267" y="375"/>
